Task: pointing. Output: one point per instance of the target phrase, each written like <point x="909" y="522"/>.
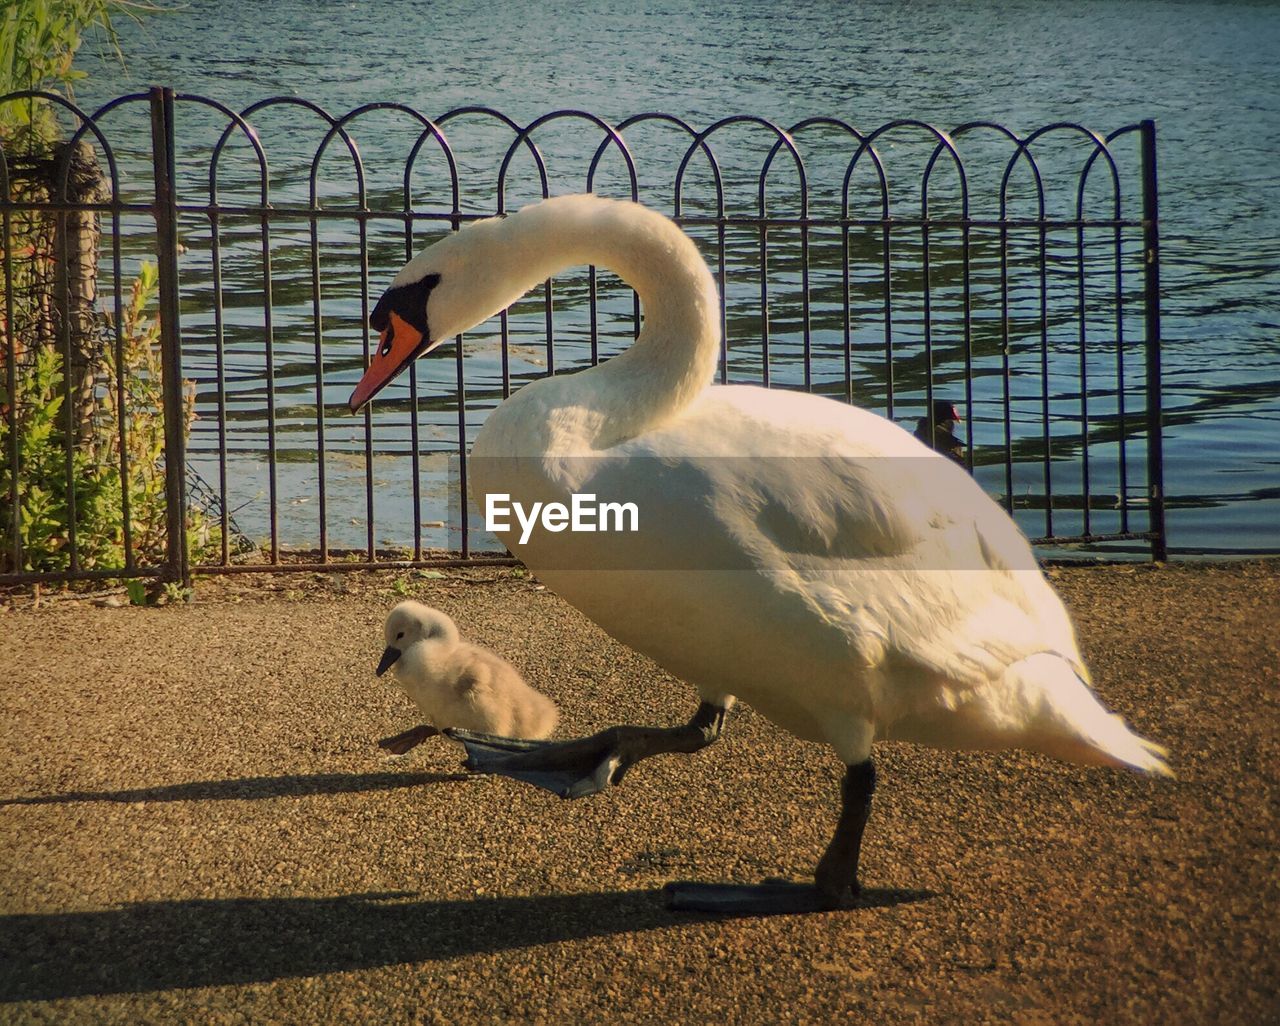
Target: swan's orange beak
<point x="398" y="346"/>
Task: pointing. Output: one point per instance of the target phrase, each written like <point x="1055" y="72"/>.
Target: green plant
<point x="134" y="397"/>
<point x="78" y="477"/>
<point x="42" y="503"/>
<point x="80" y="487"/>
<point x="40" y="39"/>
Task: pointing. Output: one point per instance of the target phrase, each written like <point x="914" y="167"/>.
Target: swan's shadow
<point x="250" y="788"/>
<point x="203" y="943"/>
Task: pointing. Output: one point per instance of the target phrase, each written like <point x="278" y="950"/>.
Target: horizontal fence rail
<point x="1013" y="276"/>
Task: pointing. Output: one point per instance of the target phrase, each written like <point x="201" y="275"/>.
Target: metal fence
<point x="1016" y="276"/>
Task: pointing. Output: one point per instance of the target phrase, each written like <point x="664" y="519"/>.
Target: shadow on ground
<point x="202" y="943"/>
<point x="247" y="788"/>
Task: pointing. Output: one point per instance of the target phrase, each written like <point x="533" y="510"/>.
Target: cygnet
<point x="457" y="684"/>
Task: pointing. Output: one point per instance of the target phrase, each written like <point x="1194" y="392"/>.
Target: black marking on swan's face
<point x="400" y="318"/>
<point x="409" y="302"/>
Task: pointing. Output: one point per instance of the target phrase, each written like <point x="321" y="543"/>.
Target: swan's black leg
<point x="573" y="769"/>
<point x="398" y="744"/>
<point x="835" y="879"/>
<point x="837" y="873"/>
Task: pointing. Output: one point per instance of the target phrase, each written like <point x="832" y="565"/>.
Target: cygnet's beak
<point x="389" y="656"/>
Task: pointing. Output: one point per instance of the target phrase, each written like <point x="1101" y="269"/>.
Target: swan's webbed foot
<point x="569" y="769"/>
<point x="835" y="881"/>
<point x="398" y="744"/>
<point x="574" y="769"/>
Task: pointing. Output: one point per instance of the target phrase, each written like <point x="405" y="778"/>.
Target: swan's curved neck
<point x="674" y="356"/>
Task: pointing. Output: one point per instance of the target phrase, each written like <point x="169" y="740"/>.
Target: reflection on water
<point x="1205" y="71"/>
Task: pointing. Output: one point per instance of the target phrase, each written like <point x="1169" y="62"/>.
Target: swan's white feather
<point x="812" y="558"/>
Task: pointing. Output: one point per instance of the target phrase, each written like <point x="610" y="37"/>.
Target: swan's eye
<point x="400" y="635"/>
<point x="387" y="336"/>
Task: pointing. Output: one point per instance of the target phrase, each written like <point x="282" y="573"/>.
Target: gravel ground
<point x="196" y="826"/>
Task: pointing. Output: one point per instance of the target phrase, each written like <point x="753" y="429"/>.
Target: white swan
<point x="809" y="557"/>
<point x="455" y="683"/>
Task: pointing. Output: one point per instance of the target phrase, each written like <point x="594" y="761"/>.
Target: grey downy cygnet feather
<point x="455" y="683"/>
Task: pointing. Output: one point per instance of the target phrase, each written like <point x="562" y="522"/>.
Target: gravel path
<point x="196" y="826"/>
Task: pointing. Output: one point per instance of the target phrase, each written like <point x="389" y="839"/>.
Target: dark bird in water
<point x="943" y="438"/>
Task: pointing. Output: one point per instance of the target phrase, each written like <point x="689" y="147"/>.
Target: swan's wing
<point x="906" y="560"/>
<point x="893" y="546"/>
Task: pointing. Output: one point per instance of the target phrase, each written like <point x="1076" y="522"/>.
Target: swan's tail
<point x="1117" y="745"/>
<point x="1073" y="725"/>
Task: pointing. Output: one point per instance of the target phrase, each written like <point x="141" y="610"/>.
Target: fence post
<point x="1151" y="283"/>
<point x="177" y="567"/>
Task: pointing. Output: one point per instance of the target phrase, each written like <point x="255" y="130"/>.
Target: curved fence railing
<point x="1012" y="276"/>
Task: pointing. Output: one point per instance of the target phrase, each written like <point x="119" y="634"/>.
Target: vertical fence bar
<point x="887" y="272"/>
<point x="1151" y="289"/>
<point x="927" y="299"/>
<point x="175" y="454"/>
<point x="593" y="312"/>
<point x="464" y="524"/>
<point x="1046" y="410"/>
<point x="504" y="343"/>
<point x="415" y="459"/>
<point x="317" y="321"/>
<point x="464" y="519"/>
<point x="967" y="327"/>
<point x="722" y="280"/>
<point x="764" y="299"/>
<point x="845" y="297"/>
<point x="269" y="340"/>
<point x="1082" y="313"/>
<point x="806" y="316"/>
<point x="415" y="439"/>
<point x="62" y="303"/>
<point x="220" y="369"/>
<point x="1122" y="468"/>
<point x="548" y="314"/>
<point x="1005" y="370"/>
<point x="370" y="528"/>
<point x="122" y="419"/>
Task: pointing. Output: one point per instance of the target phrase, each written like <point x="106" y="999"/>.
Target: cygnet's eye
<point x="400" y="635"/>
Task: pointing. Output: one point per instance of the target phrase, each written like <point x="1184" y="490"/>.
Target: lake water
<point x="1207" y="72"/>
